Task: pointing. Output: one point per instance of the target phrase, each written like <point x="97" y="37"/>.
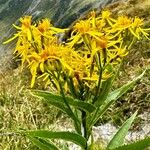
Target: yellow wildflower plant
<point x="96" y="43"/>
<point x="81" y="68"/>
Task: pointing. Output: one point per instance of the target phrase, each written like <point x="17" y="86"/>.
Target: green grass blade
<point x="138" y="145"/>
<point x="53" y="98"/>
<point x="118" y="138"/>
<point x="68" y="136"/>
<point x="42" y="144"/>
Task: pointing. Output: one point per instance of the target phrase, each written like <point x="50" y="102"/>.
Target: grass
<point x="20" y="111"/>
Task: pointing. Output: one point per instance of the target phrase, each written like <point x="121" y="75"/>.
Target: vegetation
<point x="80" y="88"/>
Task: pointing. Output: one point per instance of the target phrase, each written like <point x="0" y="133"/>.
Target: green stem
<point x="90" y="124"/>
<point x="74" y="117"/>
<point x="84" y="130"/>
<point x="76" y="121"/>
<point x="87" y="41"/>
<point x="99" y="80"/>
<point x="72" y="87"/>
<point x="84" y="127"/>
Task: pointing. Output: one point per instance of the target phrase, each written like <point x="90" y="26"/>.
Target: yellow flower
<point x="83" y="26"/>
<point x="23" y="48"/>
<point x="44" y="25"/>
<point x="103" y="42"/>
<point x="26" y="22"/>
<point x="83" y="31"/>
<point x="26" y="27"/>
<point x="24" y="30"/>
<point x="137" y="22"/>
<point x="46" y="59"/>
<point x="137" y="30"/>
<point x="115" y="55"/>
<point x="106" y="16"/>
<point x="123" y="23"/>
<point x="37" y="61"/>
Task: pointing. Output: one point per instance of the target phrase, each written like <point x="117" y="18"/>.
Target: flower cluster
<point x="86" y="59"/>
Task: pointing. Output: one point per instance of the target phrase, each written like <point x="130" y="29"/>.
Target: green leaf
<point x="138" y="145"/>
<point x="54" y="98"/>
<point x="68" y="136"/>
<point x="106" y="86"/>
<point x="118" y="138"/>
<point x="120" y="91"/>
<point x="58" y="102"/>
<point x="43" y="144"/>
<point x="113" y="96"/>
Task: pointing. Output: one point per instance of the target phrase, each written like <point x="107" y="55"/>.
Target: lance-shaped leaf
<point x="54" y="98"/>
<point x="68" y="136"/>
<point x="138" y="145"/>
<point x="112" y="97"/>
<point x="106" y="86"/>
<point x="59" y="103"/>
<point x="119" y="92"/>
<point x="43" y="144"/>
<point x="119" y="137"/>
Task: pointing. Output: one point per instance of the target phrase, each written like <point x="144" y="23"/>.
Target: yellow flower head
<point x="137" y="22"/>
<point x="44" y="25"/>
<point x="37" y="60"/>
<point x="26" y="22"/>
<point x="121" y="52"/>
<point x="102" y="42"/>
<point x="106" y="14"/>
<point x="106" y="18"/>
<point x="83" y="26"/>
<point x="115" y="55"/>
<point x="45" y="54"/>
<point x="123" y="22"/>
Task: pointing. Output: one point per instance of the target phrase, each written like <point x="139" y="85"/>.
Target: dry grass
<point x="20" y="111"/>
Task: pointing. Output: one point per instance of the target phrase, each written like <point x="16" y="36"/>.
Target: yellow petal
<point x="136" y="35"/>
<point x="42" y="66"/>
<point x="11" y="39"/>
<point x="33" y="81"/>
<point x="19" y="28"/>
<point x="29" y="36"/>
